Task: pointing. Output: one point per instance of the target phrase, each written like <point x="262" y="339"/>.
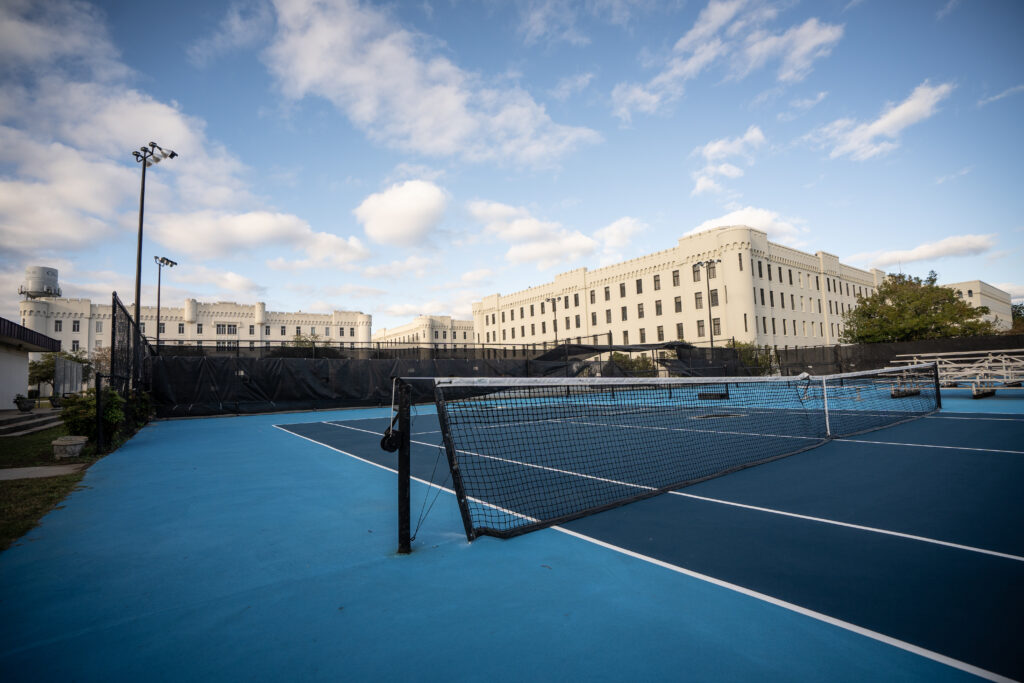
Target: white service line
<point x="818" y="616"/>
<point x="929" y="445"/>
<point x="992" y="419"/>
<point x="859" y="527"/>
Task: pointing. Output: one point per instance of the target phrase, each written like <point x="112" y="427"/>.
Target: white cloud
<point x="780" y="229"/>
<point x="953" y="176"/>
<point x="244" y="25"/>
<point x="957" y="245"/>
<point x="718" y="150"/>
<point x="1016" y="291"/>
<point x="402" y="215"/>
<point x="796" y="49"/>
<point x="371" y="69"/>
<point x="570" y="85"/>
<point x="224" y="280"/>
<point x="405" y="310"/>
<point x="947" y="8"/>
<point x="552" y="20"/>
<point x="417" y="266"/>
<point x="213" y="234"/>
<point x="729" y="29"/>
<point x="475" y="276"/>
<point x="545" y="243"/>
<point x="1006" y="93"/>
<point x="861" y="141"/>
<point x="618" y="236"/>
<point x="799" y="106"/>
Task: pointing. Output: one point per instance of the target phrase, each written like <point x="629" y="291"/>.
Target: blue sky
<point x="407" y="158"/>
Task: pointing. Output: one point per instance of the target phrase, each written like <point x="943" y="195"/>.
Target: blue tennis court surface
<point x="263" y="548"/>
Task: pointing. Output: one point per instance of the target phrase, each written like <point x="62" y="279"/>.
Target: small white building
<point x="978" y="293"/>
<point x="16" y="342"/>
<point x="428" y="329"/>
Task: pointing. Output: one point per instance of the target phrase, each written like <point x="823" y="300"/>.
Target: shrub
<point x="79" y="414"/>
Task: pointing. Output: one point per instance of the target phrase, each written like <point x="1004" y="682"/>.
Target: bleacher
<point x="982" y="371"/>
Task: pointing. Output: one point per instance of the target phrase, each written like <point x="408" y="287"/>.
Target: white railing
<point x="983" y="371"/>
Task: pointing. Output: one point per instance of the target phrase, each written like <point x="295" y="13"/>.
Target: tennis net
<point x="526" y="453"/>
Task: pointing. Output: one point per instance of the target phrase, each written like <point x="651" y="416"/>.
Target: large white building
<point x="82" y="324"/>
<point x="757" y="291"/>
<point x="428" y="329"/>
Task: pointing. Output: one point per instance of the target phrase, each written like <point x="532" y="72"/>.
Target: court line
<point x="763" y="597"/>
<point x="928" y="445"/>
<point x="850" y="525"/>
<point x="822" y="520"/>
<point x="819" y="616"/>
<point x="991" y="419"/>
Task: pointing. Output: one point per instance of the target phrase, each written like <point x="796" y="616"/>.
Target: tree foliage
<point x="907" y="308"/>
<point x="306" y="340"/>
<point x="639" y="366"/>
<point x="1017" y="315"/>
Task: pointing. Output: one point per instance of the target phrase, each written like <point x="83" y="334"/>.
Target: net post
<point x="938" y="392"/>
<point x="824" y="396"/>
<point x="404" y="424"/>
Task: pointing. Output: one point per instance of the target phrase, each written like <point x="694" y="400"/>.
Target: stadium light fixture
<point x="160" y="263"/>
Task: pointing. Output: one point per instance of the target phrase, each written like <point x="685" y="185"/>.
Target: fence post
<point x="99" y="413"/>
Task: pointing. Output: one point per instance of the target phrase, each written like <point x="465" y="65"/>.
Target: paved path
<point x="37" y="472"/>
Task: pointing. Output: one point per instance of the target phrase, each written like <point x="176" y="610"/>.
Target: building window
<point x="679" y="331"/>
<point x="661" y="333"/>
<point x="74" y="344"/>
<point x="817" y="283"/>
<point x="714" y="297"/>
<point x="675" y="278"/>
<point x="782" y="300"/>
<point x="716" y="326"/>
<point x="312" y="331"/>
<point x="593" y="318"/>
<point x="607" y="315"/>
<point x="657" y="307"/>
<point x="531" y="310"/>
<point x="351" y="331"/>
<point x="745" y="322"/>
<point x="511" y="314"/>
<point x="577" y="321"/>
<point x="780" y="275"/>
<point x="543" y="327"/>
<point x="679" y="304"/>
<point x="762" y="296"/>
<point x="576" y="299"/>
<point x="622" y="289"/>
<point x="792" y="302"/>
<point x="99" y="343"/>
<point x="712" y="271"/>
<point x="783" y="326"/>
<point x="160" y="328"/>
<point x="567" y="326"/>
<point x="970" y="293"/>
<point x="643" y="335"/>
<point x="522" y="312"/>
<point x="700" y="328"/>
<point x="828" y="284"/>
<point x="790" y="276"/>
<point x="623" y="312"/>
<point x="741" y="261"/>
<point x="142" y="327"/>
<point x="607" y="294"/>
<point x="698" y="300"/>
<point x="639" y="286"/>
<point x="593" y="298"/>
<point x="771" y="298"/>
<point x="99" y="325"/>
<point x="298" y="330"/>
<point x="769" y="272"/>
<point x="696" y="272"/>
<point x="773" y="326"/>
<point x="75" y="324"/>
<point x="657" y="282"/>
<point x="760" y="273"/>
<point x="199" y="328"/>
<point x="625" y="337"/>
<point x="252" y="329"/>
<point x="639" y="310"/>
<point x="58" y="325"/>
<point x="181" y="328"/>
<point x="513" y="330"/>
<point x="764" y="324"/>
<point x="541" y="310"/>
<point x="533" y="330"/>
<point x="503" y="316"/>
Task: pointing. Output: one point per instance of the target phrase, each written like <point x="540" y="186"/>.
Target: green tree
<point x="757" y="358"/>
<point x="306" y="340"/>
<point x="1017" y="315"/>
<point x="907" y="308"/>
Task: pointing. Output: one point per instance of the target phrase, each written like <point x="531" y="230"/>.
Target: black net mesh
<point x="531" y="452"/>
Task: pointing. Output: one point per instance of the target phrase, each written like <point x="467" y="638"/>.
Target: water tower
<point x="40" y="281"/>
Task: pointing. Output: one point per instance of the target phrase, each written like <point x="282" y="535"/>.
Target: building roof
<point x="24" y="339"/>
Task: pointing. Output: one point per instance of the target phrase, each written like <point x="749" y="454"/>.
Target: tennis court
<point x="263" y="547"/>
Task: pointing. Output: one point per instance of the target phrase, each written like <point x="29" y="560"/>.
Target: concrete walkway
<point x="37" y="472"/>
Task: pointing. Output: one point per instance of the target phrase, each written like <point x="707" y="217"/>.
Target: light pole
<point x="147" y="156"/>
<point x="160" y="263"/>
<point x="708" y="266"/>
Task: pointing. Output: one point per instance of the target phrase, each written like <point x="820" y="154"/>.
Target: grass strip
<point x="23" y="502"/>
